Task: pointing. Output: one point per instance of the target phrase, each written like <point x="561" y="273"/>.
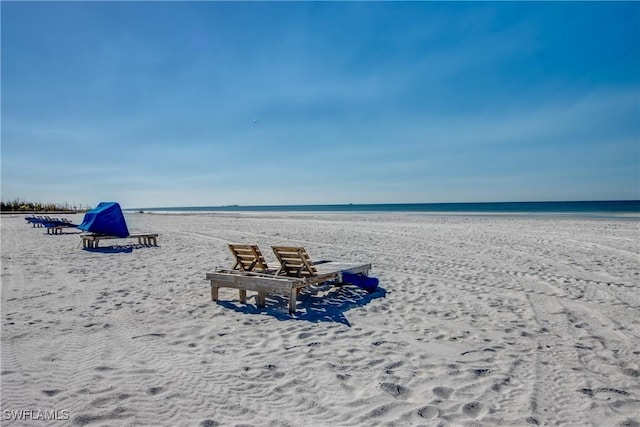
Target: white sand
<point x="485" y="321"/>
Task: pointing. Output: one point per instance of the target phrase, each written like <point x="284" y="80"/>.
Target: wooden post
<point x="243" y="296"/>
<point x="262" y="299"/>
<point x="214" y="292"/>
<point x="292" y="300"/>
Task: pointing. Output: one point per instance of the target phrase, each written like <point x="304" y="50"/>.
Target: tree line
<point x="18" y="205"/>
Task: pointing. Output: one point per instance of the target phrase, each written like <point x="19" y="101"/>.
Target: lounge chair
<point x="294" y="262"/>
<point x="47" y="221"/>
<point x="248" y="258"/>
<point x="35" y="221"/>
<point x="296" y="272"/>
<point x="53" y="225"/>
<point x="57" y="226"/>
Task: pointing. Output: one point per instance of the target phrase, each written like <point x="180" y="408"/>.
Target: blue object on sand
<point x="367" y="283"/>
<point x="106" y="218"/>
<point x="49" y="222"/>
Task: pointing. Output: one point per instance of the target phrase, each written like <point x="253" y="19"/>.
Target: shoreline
<point x="606" y="206"/>
<point x="635" y="216"/>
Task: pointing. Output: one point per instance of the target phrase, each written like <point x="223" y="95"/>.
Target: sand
<point x="478" y="321"/>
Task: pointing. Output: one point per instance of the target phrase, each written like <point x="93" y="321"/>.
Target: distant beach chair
<point x="42" y="221"/>
<point x="296" y="272"/>
<point x="58" y="226"/>
<point x="53" y="225"/>
<point x="36" y="221"/>
<point x="248" y="258"/>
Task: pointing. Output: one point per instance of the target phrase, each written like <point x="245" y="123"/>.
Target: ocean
<point x="616" y="208"/>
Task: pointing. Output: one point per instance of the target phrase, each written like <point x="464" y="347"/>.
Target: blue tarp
<point x="367" y="283"/>
<point x="106" y="218"/>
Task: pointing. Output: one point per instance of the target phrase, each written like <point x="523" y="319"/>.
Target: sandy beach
<point x="478" y="321"/>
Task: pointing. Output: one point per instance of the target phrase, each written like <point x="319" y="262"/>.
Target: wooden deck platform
<point x="265" y="283"/>
<point x="92" y="240"/>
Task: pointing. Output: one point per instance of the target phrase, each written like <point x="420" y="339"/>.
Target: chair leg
<point x="292" y="300"/>
<point x="262" y="299"/>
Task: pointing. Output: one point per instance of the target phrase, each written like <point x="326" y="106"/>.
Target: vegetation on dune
<point x="18" y="205"/>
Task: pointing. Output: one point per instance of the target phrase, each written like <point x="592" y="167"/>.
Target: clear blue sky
<point x="156" y="104"/>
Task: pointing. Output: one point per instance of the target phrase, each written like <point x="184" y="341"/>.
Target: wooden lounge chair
<point x="296" y="272"/>
<point x="248" y="258"/>
<point x="294" y="262"/>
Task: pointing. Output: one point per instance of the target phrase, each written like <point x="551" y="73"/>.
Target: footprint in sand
<point x="428" y="412"/>
<point x="473" y="409"/>
<point x="155" y="390"/>
<point x="396" y="390"/>
<point x="442" y="392"/>
<point x="629" y="408"/>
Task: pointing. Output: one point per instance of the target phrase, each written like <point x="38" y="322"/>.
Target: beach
<point x="478" y="320"/>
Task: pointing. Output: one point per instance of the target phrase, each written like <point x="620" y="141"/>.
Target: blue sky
<point x="157" y="104"/>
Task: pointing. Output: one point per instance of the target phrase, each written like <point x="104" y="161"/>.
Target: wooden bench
<point x="91" y="240"/>
<point x="265" y="284"/>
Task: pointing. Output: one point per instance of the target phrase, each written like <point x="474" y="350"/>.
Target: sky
<point x="160" y="104"/>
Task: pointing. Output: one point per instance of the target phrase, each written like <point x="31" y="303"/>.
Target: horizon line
<point x="383" y="204"/>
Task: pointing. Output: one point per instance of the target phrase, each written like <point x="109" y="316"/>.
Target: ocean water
<point x="617" y="208"/>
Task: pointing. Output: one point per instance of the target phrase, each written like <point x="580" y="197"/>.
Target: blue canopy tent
<point x="106" y="218"/>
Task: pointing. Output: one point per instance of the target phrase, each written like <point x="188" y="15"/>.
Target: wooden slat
<point x="252" y="283"/>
